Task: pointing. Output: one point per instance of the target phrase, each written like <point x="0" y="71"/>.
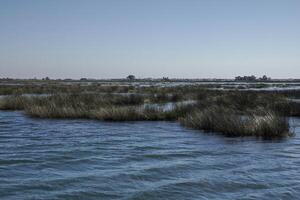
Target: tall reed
<point x="228" y="122"/>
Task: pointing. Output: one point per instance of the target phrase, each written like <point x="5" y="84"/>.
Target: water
<point x="82" y="159"/>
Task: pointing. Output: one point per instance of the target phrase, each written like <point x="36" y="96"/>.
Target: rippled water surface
<point x="81" y="159"/>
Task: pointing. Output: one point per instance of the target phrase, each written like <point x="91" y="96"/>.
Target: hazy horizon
<point x="167" y="38"/>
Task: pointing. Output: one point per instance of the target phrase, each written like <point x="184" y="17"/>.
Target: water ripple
<point x="85" y="159"/>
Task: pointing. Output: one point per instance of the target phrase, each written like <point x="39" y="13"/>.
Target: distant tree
<point x="46" y="79"/>
<point x="250" y="78"/>
<point x="264" y="78"/>
<point x="238" y="78"/>
<point x="166" y="79"/>
<point x="131" y="77"/>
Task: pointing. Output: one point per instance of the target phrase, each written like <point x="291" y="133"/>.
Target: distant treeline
<point x="252" y="78"/>
<point x="132" y="78"/>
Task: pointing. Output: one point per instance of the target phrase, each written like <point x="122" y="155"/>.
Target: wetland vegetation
<point x="229" y="112"/>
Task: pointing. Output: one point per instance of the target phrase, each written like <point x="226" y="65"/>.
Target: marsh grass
<point x="228" y="122"/>
<point x="232" y="113"/>
<point x="15" y="102"/>
<point x="108" y="113"/>
<point x="246" y="102"/>
<point x="89" y="106"/>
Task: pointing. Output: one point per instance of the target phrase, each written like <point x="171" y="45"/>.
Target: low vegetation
<point x="261" y="123"/>
<point x="102" y="107"/>
<point x="232" y="113"/>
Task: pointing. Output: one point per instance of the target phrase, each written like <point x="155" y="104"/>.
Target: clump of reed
<point x="107" y="113"/>
<point x="53" y="111"/>
<point x="229" y="122"/>
<point x="90" y="106"/>
<point x="15" y="102"/>
<point x="19" y="102"/>
<point x="123" y="113"/>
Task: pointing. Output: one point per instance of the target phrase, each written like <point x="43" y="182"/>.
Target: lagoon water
<point x="85" y="159"/>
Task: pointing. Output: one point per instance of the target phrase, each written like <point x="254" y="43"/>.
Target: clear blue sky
<point x="149" y="38"/>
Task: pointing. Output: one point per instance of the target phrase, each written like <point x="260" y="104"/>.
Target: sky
<point x="149" y="38"/>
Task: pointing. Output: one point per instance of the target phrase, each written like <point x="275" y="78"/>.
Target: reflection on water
<point x="82" y="159"/>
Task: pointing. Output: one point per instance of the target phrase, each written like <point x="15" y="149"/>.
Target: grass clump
<point x="228" y="122"/>
<point x="15" y="102"/>
<point x="107" y="113"/>
<point x="90" y="106"/>
<point x="53" y="111"/>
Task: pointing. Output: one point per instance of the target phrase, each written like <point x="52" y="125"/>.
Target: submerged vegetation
<point x="230" y="112"/>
